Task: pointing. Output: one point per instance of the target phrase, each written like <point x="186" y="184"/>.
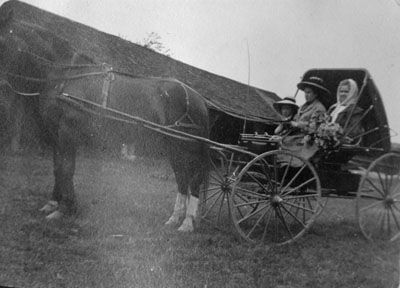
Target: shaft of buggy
<point x="135" y="120"/>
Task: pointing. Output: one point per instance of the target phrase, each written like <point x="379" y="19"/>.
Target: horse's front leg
<point x="181" y="199"/>
<point x="191" y="214"/>
<point x="197" y="175"/>
<point x="64" y="154"/>
<point x="52" y="205"/>
<point x="179" y="210"/>
<point x="183" y="178"/>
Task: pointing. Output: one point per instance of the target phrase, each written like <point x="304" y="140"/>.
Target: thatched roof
<point x="135" y="59"/>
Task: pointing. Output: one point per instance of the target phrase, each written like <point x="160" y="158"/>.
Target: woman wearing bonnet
<point x="346" y="111"/>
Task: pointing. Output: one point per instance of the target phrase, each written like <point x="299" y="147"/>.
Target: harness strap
<point x="5" y="82"/>
<point x="189" y="123"/>
<point x="105" y="91"/>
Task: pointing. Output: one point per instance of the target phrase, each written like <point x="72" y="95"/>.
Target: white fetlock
<point x="55" y="215"/>
<point x="49" y="207"/>
<point x="191" y="213"/>
<point x="187" y="225"/>
<point x="173" y="220"/>
<point x="179" y="210"/>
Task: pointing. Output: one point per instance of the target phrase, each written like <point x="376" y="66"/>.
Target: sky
<point x="268" y="44"/>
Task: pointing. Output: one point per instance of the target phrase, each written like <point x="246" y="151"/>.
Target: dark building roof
<point x="233" y="97"/>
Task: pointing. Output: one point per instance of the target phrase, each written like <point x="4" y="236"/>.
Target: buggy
<point x="273" y="196"/>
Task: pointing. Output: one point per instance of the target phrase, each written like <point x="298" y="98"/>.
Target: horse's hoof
<point x="49" y="207"/>
<point x="55" y="215"/>
<point x="173" y="221"/>
<point x="187" y="226"/>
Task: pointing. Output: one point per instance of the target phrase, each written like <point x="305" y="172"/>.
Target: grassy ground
<point x="118" y="238"/>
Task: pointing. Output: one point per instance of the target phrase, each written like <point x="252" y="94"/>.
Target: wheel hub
<point x="276" y="200"/>
<point x="226" y="186"/>
<point x="389" y="201"/>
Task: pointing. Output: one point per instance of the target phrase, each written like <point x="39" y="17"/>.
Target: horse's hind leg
<point x="181" y="199"/>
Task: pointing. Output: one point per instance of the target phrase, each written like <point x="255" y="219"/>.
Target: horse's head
<point x="29" y="52"/>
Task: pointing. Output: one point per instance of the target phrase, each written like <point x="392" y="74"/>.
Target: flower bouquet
<point x="325" y="134"/>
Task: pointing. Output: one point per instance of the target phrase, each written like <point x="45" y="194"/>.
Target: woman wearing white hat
<point x="288" y="109"/>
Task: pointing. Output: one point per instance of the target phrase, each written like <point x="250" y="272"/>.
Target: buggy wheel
<point x="378" y="199"/>
<point x="275" y="199"/>
<point x="213" y="205"/>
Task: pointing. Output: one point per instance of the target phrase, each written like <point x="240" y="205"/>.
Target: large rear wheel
<point x="378" y="199"/>
<point x="275" y="199"/>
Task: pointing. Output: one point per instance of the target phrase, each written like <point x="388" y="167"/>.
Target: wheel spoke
<point x="371" y="206"/>
<point x="381" y="180"/>
<point x="395" y="220"/>
<point x="376" y="188"/>
<point x="294" y="177"/>
<point x="299" y="207"/>
<point x="285" y="173"/>
<point x="395" y="207"/>
<point x="296" y="201"/>
<point x="299" y="186"/>
<point x="218" y="179"/>
<point x="221" y="204"/>
<point x="267" y="175"/>
<point x="250" y="193"/>
<point x="252" y="213"/>
<point x="371" y="197"/>
<point x="301" y="196"/>
<point x="275" y="176"/>
<point x="255" y="180"/>
<point x="256" y="224"/>
<point x="212" y="195"/>
<point x="237" y="209"/>
<point x="214" y="203"/>
<point x="279" y="213"/>
<point x="211" y="189"/>
<point x="270" y="210"/>
<point x="294" y="216"/>
<point x="250" y="203"/>
<point x="389" y="228"/>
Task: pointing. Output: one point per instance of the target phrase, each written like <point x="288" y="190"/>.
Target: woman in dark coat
<point x="314" y="89"/>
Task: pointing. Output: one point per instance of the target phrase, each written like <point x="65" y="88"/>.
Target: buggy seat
<point x="259" y="143"/>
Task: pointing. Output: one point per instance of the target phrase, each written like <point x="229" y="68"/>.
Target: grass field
<point x="118" y="238"/>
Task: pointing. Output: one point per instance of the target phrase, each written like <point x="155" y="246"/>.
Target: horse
<point x="80" y="101"/>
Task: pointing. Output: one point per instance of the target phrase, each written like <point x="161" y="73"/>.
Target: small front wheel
<point x="213" y="205"/>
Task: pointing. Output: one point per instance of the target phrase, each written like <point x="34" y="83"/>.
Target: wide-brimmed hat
<point x="286" y="101"/>
<point x="315" y="83"/>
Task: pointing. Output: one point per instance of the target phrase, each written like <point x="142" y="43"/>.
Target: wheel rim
<point x="273" y="202"/>
<point x="378" y="199"/>
<point x="214" y="199"/>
